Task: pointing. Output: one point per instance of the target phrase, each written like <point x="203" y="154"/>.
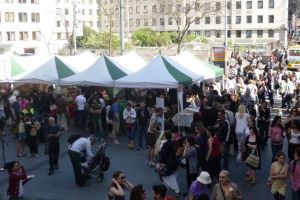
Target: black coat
<point x="167" y="156"/>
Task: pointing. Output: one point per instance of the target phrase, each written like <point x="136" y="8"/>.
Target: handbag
<point x="253" y="159"/>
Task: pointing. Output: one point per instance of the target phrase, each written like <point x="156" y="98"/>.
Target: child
<point x="21" y="137"/>
<point x="33" y="140"/>
<point x="17" y="178"/>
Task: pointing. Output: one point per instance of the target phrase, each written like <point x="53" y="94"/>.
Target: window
<point x="153" y="21"/>
<point x="270" y="33"/>
<point x="229" y="34"/>
<point x="197" y="6"/>
<point x="67" y="24"/>
<point x="58" y="23"/>
<point x="229" y="5"/>
<point x="218" y="34"/>
<point x="207" y="33"/>
<point x="130" y="10"/>
<point x="260" y="4"/>
<point x="207" y="6"/>
<point x="23" y="35"/>
<point x="35" y="1"/>
<point x="22" y="1"/>
<point x="90" y="12"/>
<point x="154" y="9"/>
<point x="162" y="8"/>
<point x="271" y="18"/>
<point x="249" y="4"/>
<point x="170" y="21"/>
<point x="228" y="19"/>
<point x="137" y="22"/>
<point x="197" y="20"/>
<point x="162" y="21"/>
<point x="218" y="20"/>
<point x="238" y="19"/>
<point x="207" y="20"/>
<point x="22" y="17"/>
<point x="145" y="22"/>
<point x="35" y="17"/>
<point x="98" y="12"/>
<point x="91" y="24"/>
<point x="131" y="22"/>
<point x="59" y="36"/>
<point x="145" y="9"/>
<point x="178" y="21"/>
<point x="83" y="11"/>
<point x="260" y="19"/>
<point x="249" y="19"/>
<point x="238" y="5"/>
<point x="271" y="4"/>
<point x="238" y="33"/>
<point x="137" y="9"/>
<point x="9" y="1"/>
<point x="9" y="17"/>
<point x="248" y="34"/>
<point x="260" y="33"/>
<point x="218" y="5"/>
<point x="98" y="24"/>
<point x="10" y="36"/>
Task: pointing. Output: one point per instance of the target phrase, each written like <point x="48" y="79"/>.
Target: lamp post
<point x="122" y="26"/>
<point x="74" y="25"/>
<point x="225" y="24"/>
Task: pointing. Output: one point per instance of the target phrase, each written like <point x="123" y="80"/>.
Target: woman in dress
<point x="214" y="154"/>
<point x="279" y="174"/>
<point x="241" y="118"/>
<point x="276" y="132"/>
<point x="225" y="189"/>
<point x="118" y="185"/>
<point x="253" y="145"/>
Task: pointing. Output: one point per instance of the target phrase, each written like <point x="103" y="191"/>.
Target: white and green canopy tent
<point x="50" y="72"/>
<point x="102" y="73"/>
<point x="192" y="63"/>
<point x="79" y="62"/>
<point x="131" y="62"/>
<point x="161" y="72"/>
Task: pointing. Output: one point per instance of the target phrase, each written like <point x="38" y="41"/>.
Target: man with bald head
<point x="53" y="134"/>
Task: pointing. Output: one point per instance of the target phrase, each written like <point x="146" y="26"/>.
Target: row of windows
<point x="66" y="23"/>
<point x="207" y="20"/>
<point x="78" y="1"/>
<point x="23" y="36"/>
<point x="238" y="33"/>
<point x="22" y="1"/>
<point x="82" y="11"/>
<point x="22" y="17"/>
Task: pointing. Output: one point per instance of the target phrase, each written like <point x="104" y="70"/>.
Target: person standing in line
<point x="278" y="175"/>
<point x="95" y="118"/>
<point x="276" y="132"/>
<point x="129" y="116"/>
<point x="80" y="102"/>
<point x="76" y="150"/>
<point x="294" y="170"/>
<point x="53" y="133"/>
<point x="114" y="109"/>
<point x="153" y="133"/>
<point x="142" y="117"/>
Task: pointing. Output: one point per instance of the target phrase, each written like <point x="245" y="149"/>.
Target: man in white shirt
<point x="76" y="151"/>
<point x="80" y="102"/>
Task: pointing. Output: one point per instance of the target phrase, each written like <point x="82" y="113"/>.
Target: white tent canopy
<point x="192" y="63"/>
<point x="131" y="62"/>
<point x="161" y="72"/>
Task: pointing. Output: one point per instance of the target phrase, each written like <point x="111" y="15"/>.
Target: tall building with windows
<point x="44" y="26"/>
<point x="250" y="22"/>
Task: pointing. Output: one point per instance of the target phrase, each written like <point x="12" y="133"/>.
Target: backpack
<point x="73" y="138"/>
<point x="104" y="166"/>
<point x="110" y="114"/>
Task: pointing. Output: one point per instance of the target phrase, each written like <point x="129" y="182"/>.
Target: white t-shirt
<point x="82" y="144"/>
<point x="241" y="122"/>
<point x="80" y="102"/>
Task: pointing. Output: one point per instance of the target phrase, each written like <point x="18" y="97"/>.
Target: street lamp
<point x="122" y="26"/>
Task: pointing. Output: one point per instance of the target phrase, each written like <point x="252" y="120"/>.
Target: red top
<point x="215" y="147"/>
<point x="14" y="181"/>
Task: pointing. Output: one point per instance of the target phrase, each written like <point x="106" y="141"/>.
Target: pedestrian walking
<point x="264" y="122"/>
<point x="276" y="134"/>
<point x="294" y="138"/>
<point x="294" y="170"/>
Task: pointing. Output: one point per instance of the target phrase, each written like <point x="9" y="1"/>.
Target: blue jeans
<point x="275" y="149"/>
<point x="142" y="130"/>
<point x="80" y="119"/>
<point x="226" y="157"/>
<point x="296" y="194"/>
<point x="130" y="131"/>
<point x="97" y="128"/>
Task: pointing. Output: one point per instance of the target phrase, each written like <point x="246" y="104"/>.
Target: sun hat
<point x="204" y="178"/>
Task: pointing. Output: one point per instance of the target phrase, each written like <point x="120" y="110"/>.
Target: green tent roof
<point x="16" y="68"/>
<point x="63" y="70"/>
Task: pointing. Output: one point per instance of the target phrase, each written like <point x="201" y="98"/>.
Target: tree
<point x="185" y="13"/>
<point x="143" y="37"/>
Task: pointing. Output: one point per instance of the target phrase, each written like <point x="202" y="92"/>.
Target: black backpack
<point x="73" y="138"/>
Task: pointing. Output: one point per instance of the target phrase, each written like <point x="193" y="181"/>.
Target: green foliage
<point x="190" y="37"/>
<point x="143" y="37"/>
<point x="93" y="40"/>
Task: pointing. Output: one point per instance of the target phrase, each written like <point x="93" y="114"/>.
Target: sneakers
<point x="151" y="164"/>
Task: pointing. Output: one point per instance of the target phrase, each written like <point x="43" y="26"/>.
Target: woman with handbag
<point x="276" y="134"/>
<point x="278" y="175"/>
<point x="253" y="154"/>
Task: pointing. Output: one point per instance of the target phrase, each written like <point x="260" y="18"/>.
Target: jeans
<point x="97" y="128"/>
<point x="131" y="131"/>
<point x="33" y="144"/>
<point x="75" y="158"/>
<point x="226" y="157"/>
<point x="263" y="132"/>
<point x="270" y="94"/>
<point x="296" y="194"/>
<point x="142" y="130"/>
<point x="80" y="119"/>
<point x="53" y="153"/>
<point x="275" y="149"/>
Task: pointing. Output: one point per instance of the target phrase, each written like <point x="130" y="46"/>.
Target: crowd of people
<point x="235" y="116"/>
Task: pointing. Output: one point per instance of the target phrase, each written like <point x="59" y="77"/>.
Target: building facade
<point x="250" y="22"/>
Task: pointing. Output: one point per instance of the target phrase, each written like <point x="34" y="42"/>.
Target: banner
<point x="219" y="56"/>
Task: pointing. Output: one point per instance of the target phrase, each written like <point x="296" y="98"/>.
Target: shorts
<point x="22" y="136"/>
<point x="151" y="137"/>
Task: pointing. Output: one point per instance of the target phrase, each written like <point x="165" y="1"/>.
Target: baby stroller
<point x="98" y="164"/>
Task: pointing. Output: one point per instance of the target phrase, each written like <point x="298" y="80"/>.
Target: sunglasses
<point x="123" y="177"/>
